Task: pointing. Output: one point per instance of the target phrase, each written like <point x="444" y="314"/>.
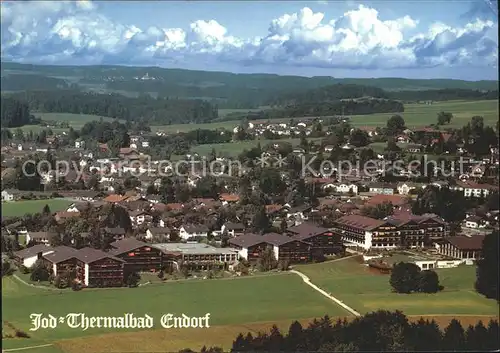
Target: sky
<point x="389" y="38"/>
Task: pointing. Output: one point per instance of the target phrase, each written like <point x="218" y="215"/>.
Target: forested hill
<point x="339" y="91"/>
<point x="227" y="90"/>
<point x="329" y="94"/>
<point x="153" y="110"/>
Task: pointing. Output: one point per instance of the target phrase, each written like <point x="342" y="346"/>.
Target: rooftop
<point x="193" y="248"/>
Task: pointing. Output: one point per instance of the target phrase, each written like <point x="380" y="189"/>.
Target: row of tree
<point x="14" y="113"/>
<point x="380" y="331"/>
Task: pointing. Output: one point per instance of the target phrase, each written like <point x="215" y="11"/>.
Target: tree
<point x="46" y="210"/>
<point x="379" y="211"/>
<point x="260" y="221"/>
<point x="429" y="282"/>
<point x="133" y="279"/>
<point x="454" y="337"/>
<point x="39" y="272"/>
<point x="267" y="260"/>
<point x="444" y="118"/>
<point x="359" y="138"/>
<point x="425" y="336"/>
<point x="395" y="125"/>
<point x="405" y="277"/>
<point x="487" y="270"/>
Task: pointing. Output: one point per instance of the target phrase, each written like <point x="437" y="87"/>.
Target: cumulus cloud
<point x="75" y="32"/>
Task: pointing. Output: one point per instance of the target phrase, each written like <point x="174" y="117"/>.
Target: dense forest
<point x="345" y="107"/>
<point x="330" y="93"/>
<point x="341" y="91"/>
<point x="15" y="113"/>
<point x="24" y="82"/>
<point x="152" y="110"/>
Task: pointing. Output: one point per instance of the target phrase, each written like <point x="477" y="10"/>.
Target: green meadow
<point x="365" y="290"/>
<point x="20" y="208"/>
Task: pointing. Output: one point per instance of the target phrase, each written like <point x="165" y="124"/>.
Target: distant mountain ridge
<point x="227" y="90"/>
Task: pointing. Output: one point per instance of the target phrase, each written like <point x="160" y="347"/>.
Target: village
<point x="128" y="214"/>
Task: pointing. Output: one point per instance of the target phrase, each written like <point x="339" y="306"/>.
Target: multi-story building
<point x="251" y="246"/>
<point x="322" y="240"/>
<point x="393" y="232"/>
<point x="198" y="255"/>
<point x="138" y="256"/>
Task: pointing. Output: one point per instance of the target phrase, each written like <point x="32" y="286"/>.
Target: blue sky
<point x="414" y="39"/>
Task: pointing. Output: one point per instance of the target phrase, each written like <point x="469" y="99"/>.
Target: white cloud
<point x="66" y="32"/>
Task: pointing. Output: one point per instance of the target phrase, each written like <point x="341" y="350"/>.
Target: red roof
<point x="115" y="198"/>
<point x="229" y="197"/>
<point x="396" y="200"/>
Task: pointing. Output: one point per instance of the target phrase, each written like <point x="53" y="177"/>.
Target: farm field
<point x="20" y="208"/>
<point x="233" y="149"/>
<point x="230" y="302"/>
<point x="365" y="290"/>
<point x="422" y="114"/>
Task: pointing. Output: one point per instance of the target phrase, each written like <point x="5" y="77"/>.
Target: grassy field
<point x="20" y="208"/>
<point x="231" y="302"/>
<point x="233" y="149"/>
<point x="422" y="114"/>
<point x="415" y="115"/>
<point x="366" y="291"/>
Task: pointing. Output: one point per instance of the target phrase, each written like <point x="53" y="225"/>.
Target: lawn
<point x="422" y="114"/>
<point x="233" y="149"/>
<point x="20" y="208"/>
<point x="237" y="301"/>
<point x="366" y="291"/>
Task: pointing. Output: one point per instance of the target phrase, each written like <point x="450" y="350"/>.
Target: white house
<point x="38" y="237"/>
<point x="232" y="229"/>
<point x="475" y="222"/>
<point x="30" y="255"/>
<point x="79" y="144"/>
<point x="474" y="190"/>
<point x="7" y="195"/>
<point x="345" y="188"/>
<point x="405" y="188"/>
<point x="189" y="231"/>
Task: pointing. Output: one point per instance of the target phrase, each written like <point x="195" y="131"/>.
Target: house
<point x="62" y="216"/>
<point x="39" y="237"/>
<point x="158" y="233"/>
<point x="299" y="213"/>
<point x="471" y="189"/>
<point x="233" y="229"/>
<point x="475" y="222"/>
<point x="190" y="231"/>
<point x="137" y="255"/>
<point x="414" y="148"/>
<point x="114" y="198"/>
<point x="382" y="188"/>
<point x="128" y="153"/>
<point x="346" y="188"/>
<point x="118" y="233"/>
<point x="406" y="187"/>
<point x="251" y="247"/>
<point x="228" y="198"/>
<point x="79" y="143"/>
<point x="403" y="139"/>
<point x="62" y="260"/>
<point x="8" y="195"/>
<point x="322" y="240"/>
<point x="462" y="247"/>
<point x="139" y="217"/>
<point x="29" y="256"/>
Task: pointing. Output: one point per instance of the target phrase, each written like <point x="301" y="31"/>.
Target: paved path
<point x="329" y="296"/>
<point x="26" y="348"/>
<point x="33" y="285"/>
